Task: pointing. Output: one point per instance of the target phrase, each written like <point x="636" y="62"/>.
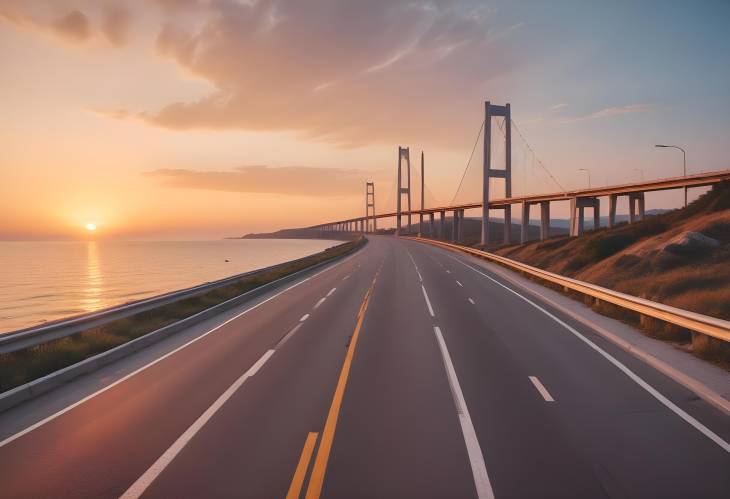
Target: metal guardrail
<point x="711" y="326"/>
<point x="32" y="336"/>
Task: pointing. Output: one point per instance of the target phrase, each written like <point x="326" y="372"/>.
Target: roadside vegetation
<point x="23" y="366"/>
<point x="680" y="258"/>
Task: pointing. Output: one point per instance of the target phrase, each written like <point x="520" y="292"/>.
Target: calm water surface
<point x="42" y="281"/>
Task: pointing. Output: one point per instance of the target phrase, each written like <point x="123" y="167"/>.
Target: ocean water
<point x="43" y="281"/>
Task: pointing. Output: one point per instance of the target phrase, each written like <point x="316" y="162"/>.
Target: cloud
<point x="346" y="72"/>
<point x="557" y="106"/>
<point x="610" y="111"/>
<point x="289" y="180"/>
<point x="615" y="111"/>
<point x="76" y="21"/>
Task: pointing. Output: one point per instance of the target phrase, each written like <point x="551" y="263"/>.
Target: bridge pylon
<point x="370" y="208"/>
<point x="403" y="157"/>
<point x="492" y="110"/>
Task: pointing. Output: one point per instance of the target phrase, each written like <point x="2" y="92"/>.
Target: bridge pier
<point x="460" y="233"/>
<point x="454" y="224"/>
<point x="577" y="206"/>
<point x="636" y="198"/>
<point x="430" y="225"/>
<point x="442" y="225"/>
<point x="612" y="201"/>
<point x="544" y="220"/>
<point x="524" y="227"/>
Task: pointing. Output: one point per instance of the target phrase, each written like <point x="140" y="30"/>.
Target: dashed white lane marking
<point x="149" y="476"/>
<point x="304" y="318"/>
<point x="448" y="271"/>
<point x="320" y="302"/>
<point x="457" y="282"/>
<point x="471" y="301"/>
<point x="346" y="277"/>
<point x="476" y="458"/>
<point x="541" y="388"/>
<point x="288" y="335"/>
<point x="419" y="276"/>
<point x="331" y="291"/>
<point x="428" y="302"/>
<point x="628" y="372"/>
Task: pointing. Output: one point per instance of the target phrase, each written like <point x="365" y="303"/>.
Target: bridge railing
<point x="710" y="326"/>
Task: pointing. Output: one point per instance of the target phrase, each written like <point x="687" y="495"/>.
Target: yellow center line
<point x="316" y="480"/>
<point x="298" y="479"/>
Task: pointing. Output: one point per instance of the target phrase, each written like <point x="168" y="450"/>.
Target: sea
<point x="45" y="281"/>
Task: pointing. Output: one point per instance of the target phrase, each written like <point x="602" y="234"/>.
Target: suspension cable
<point x="467" y="163"/>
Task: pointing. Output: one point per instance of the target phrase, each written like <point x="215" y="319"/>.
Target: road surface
<point x="402" y="371"/>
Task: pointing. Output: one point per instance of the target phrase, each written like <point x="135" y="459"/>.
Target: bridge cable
<point x="539" y="162"/>
<point x="481" y="128"/>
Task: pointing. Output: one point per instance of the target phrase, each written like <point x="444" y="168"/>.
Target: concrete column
<point x="612" y="201"/>
<point x="634" y="199"/>
<point x="460" y="234"/>
<point x="430" y="225"/>
<point x="573" y="218"/>
<point x="544" y="220"/>
<point x="442" y="225"/>
<point x="524" y="235"/>
<point x="507" y="224"/>
<point x="596" y="214"/>
<point x="454" y="223"/>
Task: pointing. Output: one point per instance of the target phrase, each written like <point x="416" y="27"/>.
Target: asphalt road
<point x="402" y="371"/>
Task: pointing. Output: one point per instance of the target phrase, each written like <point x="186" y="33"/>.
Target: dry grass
<point x="629" y="259"/>
<point x="20" y="367"/>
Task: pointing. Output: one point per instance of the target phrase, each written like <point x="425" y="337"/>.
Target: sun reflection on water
<point x="91" y="293"/>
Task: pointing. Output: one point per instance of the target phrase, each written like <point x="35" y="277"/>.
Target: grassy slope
<point x="629" y="259"/>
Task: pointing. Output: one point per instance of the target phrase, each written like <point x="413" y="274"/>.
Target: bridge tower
<point x="420" y="215"/>
<point x="370" y="207"/>
<point x="491" y="110"/>
<point x="403" y="157"/>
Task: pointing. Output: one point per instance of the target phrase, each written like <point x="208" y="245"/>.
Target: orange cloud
<point x="346" y="72"/>
<point x="77" y="21"/>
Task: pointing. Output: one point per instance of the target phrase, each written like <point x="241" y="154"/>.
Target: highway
<point x="402" y="371"/>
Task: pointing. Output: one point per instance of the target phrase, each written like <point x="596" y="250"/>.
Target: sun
<point x="90" y="227"/>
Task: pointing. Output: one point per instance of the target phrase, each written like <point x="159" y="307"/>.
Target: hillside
<point x="680" y="258"/>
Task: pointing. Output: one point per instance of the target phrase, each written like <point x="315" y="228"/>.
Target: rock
<point x="689" y="242"/>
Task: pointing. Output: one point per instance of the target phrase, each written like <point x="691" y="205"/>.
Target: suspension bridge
<point x="492" y="145"/>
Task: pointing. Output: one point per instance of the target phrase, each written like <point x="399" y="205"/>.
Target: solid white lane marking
<point x="419" y="275"/>
<point x="163" y="357"/>
<point x="149" y="476"/>
<point x="541" y="388"/>
<point x="628" y="372"/>
<point x="476" y="458"/>
<point x="320" y="302"/>
<point x="331" y="291"/>
<point x="471" y="301"/>
<point x="457" y="282"/>
<point x="428" y="302"/>
<point x="288" y="335"/>
<point x="304" y="318"/>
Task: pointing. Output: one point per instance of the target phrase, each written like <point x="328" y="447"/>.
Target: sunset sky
<point x="165" y="119"/>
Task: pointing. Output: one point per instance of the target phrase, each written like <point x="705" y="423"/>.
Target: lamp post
<point x="684" y="166"/>
<point x="587" y="173"/>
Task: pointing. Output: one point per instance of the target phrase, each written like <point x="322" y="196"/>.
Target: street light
<point x="587" y="173"/>
<point x="684" y="166"/>
<point x="641" y="172"/>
